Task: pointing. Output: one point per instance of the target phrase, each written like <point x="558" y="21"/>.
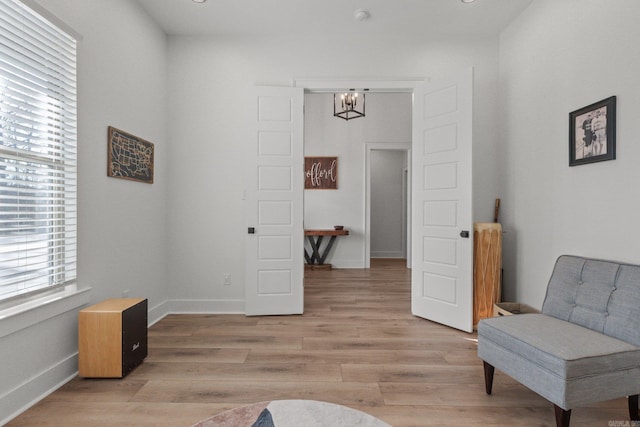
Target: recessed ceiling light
<point x="463" y="1"/>
<point x="199" y="1"/>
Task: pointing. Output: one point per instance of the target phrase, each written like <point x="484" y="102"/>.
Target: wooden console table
<point x="315" y="238"/>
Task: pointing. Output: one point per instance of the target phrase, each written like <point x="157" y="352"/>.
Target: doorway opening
<point x="387" y="201"/>
<point x="441" y="199"/>
<point x="389" y="118"/>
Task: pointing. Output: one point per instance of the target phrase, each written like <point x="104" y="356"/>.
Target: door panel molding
<point x="442" y="268"/>
<point x="274" y="258"/>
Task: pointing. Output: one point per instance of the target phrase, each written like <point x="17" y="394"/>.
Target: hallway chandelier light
<point x="345" y="104"/>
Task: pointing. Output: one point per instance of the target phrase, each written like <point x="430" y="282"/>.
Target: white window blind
<point x="38" y="223"/>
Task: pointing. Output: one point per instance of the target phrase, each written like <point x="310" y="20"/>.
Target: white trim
<point x="195" y="306"/>
<point x="388" y="254"/>
<point x="187" y="306"/>
<point x="23" y="315"/>
<point x="406" y="208"/>
<point x="368" y="147"/>
<point x="158" y="312"/>
<point x="26" y="314"/>
<point x="31" y="4"/>
<point x="50" y="380"/>
<point x="211" y="306"/>
<point x="374" y="85"/>
<point x="407" y="84"/>
<point x="347" y="263"/>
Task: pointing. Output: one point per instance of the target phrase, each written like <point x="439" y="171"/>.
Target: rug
<point x="292" y="413"/>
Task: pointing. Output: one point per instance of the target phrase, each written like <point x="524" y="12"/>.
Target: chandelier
<point x="345" y="105"/>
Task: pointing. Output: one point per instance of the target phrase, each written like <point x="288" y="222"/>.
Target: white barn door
<point x="442" y="245"/>
<point x="274" y="203"/>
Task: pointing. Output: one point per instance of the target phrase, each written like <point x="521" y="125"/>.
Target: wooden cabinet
<point x="112" y="337"/>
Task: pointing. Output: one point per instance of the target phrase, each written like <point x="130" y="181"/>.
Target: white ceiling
<point x="401" y="18"/>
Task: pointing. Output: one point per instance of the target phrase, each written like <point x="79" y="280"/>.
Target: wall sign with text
<point x="320" y="173"/>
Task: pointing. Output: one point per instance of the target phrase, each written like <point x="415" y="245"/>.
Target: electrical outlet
<point x="125" y="293"/>
<point x="227" y="279"/>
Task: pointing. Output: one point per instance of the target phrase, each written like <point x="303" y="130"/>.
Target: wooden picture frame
<point x="592" y="133"/>
<point x="321" y="173"/>
<point x="129" y="157"/>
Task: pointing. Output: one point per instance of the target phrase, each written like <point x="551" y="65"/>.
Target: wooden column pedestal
<point x="487" y="269"/>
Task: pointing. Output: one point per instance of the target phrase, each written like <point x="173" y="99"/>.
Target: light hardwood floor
<point x="356" y="345"/>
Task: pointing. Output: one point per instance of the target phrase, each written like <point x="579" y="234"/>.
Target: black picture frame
<point x="592" y="133"/>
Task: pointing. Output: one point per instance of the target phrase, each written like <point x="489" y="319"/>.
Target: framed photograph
<point x="320" y="173"/>
<point x="592" y="133"/>
<point x="129" y="157"/>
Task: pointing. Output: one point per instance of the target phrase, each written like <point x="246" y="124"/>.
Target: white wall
<point x="208" y="81"/>
<point x="388" y="119"/>
<point x="122" y="224"/>
<point x="175" y="239"/>
<point x="121" y="82"/>
<point x="387" y="200"/>
<point x="172" y="241"/>
<point x="557" y="57"/>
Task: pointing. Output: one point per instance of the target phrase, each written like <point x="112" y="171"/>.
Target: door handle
<point x="251" y="230"/>
<point x="465" y="234"/>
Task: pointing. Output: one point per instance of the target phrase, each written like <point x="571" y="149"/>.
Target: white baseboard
<point x="207" y="306"/>
<point x="24" y="320"/>
<point x="158" y="312"/>
<point x="27" y="394"/>
<point x="194" y="306"/>
<point x="387" y="254"/>
<point x="347" y="263"/>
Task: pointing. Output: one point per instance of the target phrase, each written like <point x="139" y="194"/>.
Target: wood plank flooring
<point x="356" y="345"/>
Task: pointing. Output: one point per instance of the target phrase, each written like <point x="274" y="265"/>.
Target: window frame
<point x="30" y="70"/>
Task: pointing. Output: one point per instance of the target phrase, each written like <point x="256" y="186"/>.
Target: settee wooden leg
<point x="633" y="408"/>
<point x="562" y="416"/>
<point x="488" y="377"/>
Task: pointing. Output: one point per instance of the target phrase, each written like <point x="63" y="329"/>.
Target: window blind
<point x="38" y="133"/>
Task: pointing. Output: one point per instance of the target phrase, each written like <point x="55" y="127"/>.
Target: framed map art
<point x="129" y="157"/>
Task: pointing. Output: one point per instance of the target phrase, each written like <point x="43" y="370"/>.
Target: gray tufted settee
<point x="584" y="346"/>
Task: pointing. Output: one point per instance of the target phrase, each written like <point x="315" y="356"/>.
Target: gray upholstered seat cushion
<point x="564" y="349"/>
